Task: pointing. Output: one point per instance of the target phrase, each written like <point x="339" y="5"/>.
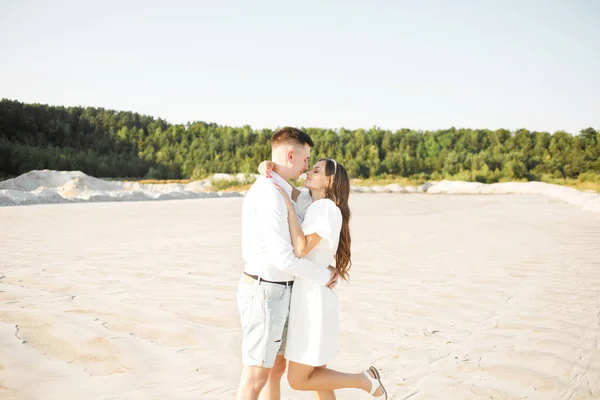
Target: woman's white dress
<point x="313" y="322"/>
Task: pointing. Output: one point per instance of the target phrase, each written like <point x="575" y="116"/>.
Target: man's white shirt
<point x="266" y="242"/>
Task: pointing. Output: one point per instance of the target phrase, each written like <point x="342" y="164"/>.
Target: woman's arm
<point x="302" y="244"/>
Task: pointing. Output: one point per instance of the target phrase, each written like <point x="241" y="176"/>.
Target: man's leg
<point x="253" y="322"/>
<point x="264" y="310"/>
<point x="253" y="380"/>
<point x="272" y="390"/>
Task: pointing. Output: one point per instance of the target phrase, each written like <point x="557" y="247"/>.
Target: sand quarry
<point x="452" y="297"/>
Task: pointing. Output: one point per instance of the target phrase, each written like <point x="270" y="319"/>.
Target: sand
<point x="451" y="297"/>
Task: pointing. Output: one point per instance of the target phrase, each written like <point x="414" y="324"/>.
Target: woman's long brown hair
<point x="339" y="191"/>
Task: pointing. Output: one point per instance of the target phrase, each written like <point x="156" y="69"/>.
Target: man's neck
<point x="285" y="185"/>
<point x="279" y="170"/>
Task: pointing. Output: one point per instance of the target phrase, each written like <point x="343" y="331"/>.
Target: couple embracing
<point x="288" y="310"/>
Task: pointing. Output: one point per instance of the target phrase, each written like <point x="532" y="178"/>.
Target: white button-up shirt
<point x="266" y="242"/>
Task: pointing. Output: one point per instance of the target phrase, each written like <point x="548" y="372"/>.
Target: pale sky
<point x="423" y="64"/>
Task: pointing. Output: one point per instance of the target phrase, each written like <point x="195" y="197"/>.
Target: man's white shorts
<point x="264" y="309"/>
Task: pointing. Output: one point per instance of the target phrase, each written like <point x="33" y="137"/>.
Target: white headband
<point x="334" y="167"/>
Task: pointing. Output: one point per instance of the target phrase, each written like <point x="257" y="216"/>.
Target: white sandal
<point x="375" y="382"/>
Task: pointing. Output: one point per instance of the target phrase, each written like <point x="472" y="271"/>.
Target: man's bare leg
<point x="252" y="381"/>
<point x="272" y="390"/>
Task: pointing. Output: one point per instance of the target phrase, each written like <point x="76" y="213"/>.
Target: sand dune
<point x="49" y="187"/>
<point x="452" y="297"/>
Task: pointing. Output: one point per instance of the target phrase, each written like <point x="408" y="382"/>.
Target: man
<point x="264" y="290"/>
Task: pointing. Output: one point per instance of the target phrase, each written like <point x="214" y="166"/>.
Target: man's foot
<point x="377" y="389"/>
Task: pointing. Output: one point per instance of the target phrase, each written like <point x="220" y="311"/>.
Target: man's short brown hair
<point x="289" y="134"/>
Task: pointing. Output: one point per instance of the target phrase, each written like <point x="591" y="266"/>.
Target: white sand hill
<point x="452" y="297"/>
<point x="46" y="186"/>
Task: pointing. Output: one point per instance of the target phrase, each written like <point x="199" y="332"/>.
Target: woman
<point x="323" y="237"/>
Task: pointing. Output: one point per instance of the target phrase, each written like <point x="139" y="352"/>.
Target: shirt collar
<point x="282" y="183"/>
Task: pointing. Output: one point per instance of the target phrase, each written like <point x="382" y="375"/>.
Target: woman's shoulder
<point x="324" y="218"/>
<point x="326" y="205"/>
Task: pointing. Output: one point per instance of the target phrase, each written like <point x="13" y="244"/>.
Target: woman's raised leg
<point x="306" y="377"/>
<point x="325" y="394"/>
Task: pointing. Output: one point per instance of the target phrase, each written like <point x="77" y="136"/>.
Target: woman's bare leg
<point x="325" y="394"/>
<point x="306" y="377"/>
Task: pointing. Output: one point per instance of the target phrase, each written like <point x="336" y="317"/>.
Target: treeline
<point x="107" y="143"/>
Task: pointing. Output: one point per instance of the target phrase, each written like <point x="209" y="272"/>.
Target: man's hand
<point x="333" y="280"/>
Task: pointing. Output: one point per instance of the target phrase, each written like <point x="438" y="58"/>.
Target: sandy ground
<point x="452" y="297"/>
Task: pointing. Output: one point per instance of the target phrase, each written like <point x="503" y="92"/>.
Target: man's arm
<point x="273" y="219"/>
